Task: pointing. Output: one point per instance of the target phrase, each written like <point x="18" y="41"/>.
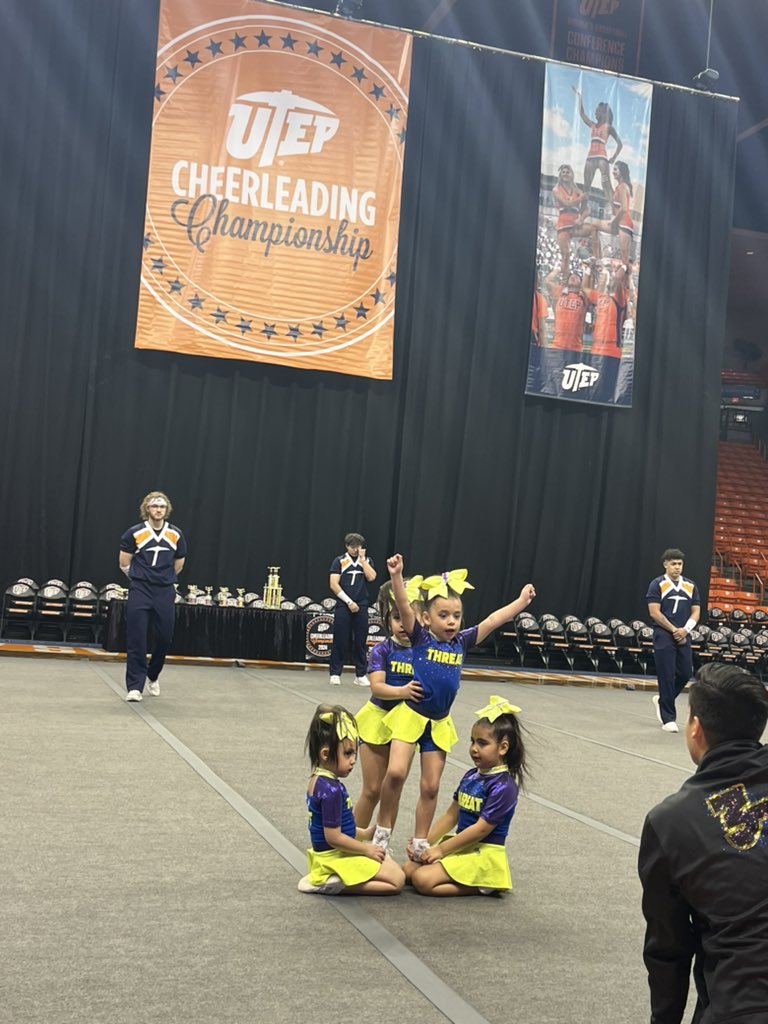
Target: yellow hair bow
<point x="497" y="706"/>
<point x="437" y="586"/>
<point x="346" y="726"/>
<point x="413" y="588"/>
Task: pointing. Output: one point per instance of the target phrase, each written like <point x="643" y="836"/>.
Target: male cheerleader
<point x="350" y="575"/>
<point x="674" y="605"/>
<point x="152" y="555"/>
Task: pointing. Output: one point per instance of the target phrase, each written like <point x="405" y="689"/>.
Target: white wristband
<point x="690" y="625"/>
<point x="343" y="597"/>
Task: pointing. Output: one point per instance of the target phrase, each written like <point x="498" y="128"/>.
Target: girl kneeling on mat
<point x="473" y="861"/>
<point x="339" y="861"/>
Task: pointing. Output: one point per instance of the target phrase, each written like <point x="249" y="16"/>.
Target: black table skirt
<point x="202" y="631"/>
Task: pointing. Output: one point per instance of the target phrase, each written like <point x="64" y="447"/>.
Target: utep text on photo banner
<point x="591" y="198"/>
<point x="273" y="201"/>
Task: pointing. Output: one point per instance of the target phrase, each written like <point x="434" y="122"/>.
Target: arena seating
<point x="739" y="574"/>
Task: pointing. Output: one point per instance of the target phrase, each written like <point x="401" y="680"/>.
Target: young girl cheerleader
<point x="339" y="862"/>
<point x="439" y="647"/>
<point x="473" y="860"/>
<point x="390" y="671"/>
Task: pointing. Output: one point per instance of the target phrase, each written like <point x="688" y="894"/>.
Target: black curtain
<point x="448" y="463"/>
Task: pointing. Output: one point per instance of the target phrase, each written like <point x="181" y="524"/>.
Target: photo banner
<point x="591" y="199"/>
<point x="273" y="199"/>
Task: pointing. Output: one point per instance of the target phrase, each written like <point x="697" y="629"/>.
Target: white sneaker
<point x="133" y="695"/>
<point x="658" y="709"/>
<point x="488" y="892"/>
<point x="331" y="887"/>
<point x="418" y="846"/>
<point x="153" y="688"/>
<point x="335" y="680"/>
<point x="670" y="727"/>
<point x="361" y="681"/>
<point x="381" y="837"/>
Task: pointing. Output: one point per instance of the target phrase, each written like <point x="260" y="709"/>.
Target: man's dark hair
<point x="731" y="704"/>
<point x="672" y="554"/>
<point x="354" y="538"/>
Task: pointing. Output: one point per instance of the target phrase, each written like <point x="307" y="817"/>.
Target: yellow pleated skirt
<point x="370" y="725"/>
<point x="352" y="868"/>
<point x="483" y="866"/>
<point x="407" y="725"/>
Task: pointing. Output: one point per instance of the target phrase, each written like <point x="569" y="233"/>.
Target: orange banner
<point x="273" y="200"/>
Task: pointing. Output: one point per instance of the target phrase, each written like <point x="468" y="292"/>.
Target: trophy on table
<point x="273" y="591"/>
<point x="192" y="593"/>
<point x="222" y="598"/>
<point x="240" y="592"/>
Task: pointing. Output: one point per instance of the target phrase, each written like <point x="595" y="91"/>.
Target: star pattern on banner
<point x="171" y="77"/>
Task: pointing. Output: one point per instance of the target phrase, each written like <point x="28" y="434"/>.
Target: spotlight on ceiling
<point x="706" y="79"/>
<point x="349" y="8"/>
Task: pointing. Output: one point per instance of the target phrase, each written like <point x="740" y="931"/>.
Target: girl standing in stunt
<point x="390" y="671"/>
<point x="439" y="648"/>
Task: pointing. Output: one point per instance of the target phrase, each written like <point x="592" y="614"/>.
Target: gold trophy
<point x="273" y="592"/>
<point x="240" y="592"/>
<point x="192" y="593"/>
<point x="223" y="596"/>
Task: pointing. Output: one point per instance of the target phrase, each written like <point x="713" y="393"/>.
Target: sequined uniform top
<point x="329" y="806"/>
<point x="437" y="667"/>
<point x="396" y="663"/>
<point x="491" y="796"/>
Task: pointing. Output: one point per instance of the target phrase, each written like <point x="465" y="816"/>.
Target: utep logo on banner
<point x="594" y="157"/>
<point x="273" y="200"/>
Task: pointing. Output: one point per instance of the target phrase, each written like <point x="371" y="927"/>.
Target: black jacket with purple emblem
<point x="703" y="865"/>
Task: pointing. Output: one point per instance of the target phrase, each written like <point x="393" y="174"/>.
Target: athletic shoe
<point x="488" y="892"/>
<point x="335" y="680"/>
<point x="658" y="709"/>
<point x="418" y="846"/>
<point x="331" y="887"/>
<point x="361" y="681"/>
<point x="381" y="837"/>
<point x="670" y="727"/>
<point x="153" y="688"/>
<point x="133" y="695"/>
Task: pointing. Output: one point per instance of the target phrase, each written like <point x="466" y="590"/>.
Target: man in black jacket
<point x="704" y="862"/>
